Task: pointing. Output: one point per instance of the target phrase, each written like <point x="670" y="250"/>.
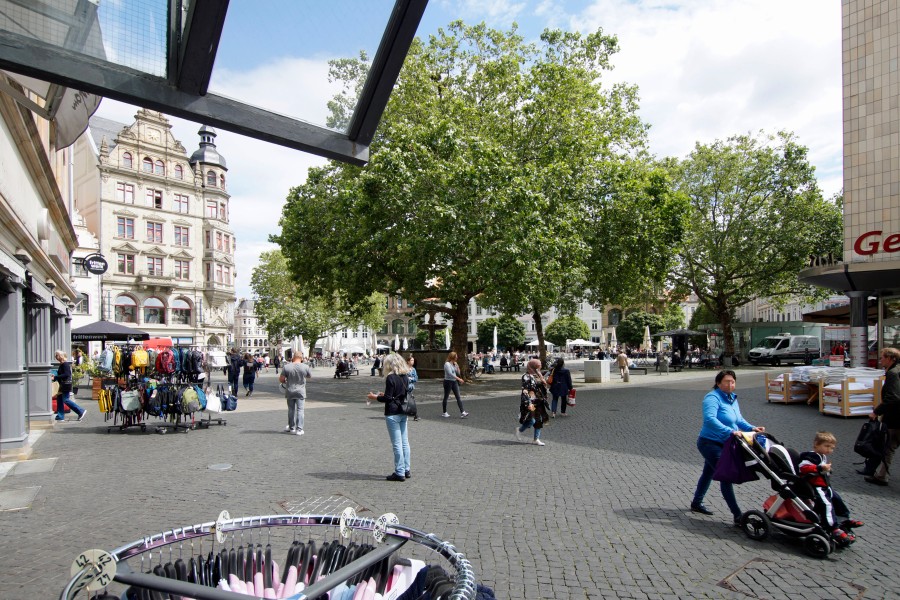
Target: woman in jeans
<point x="64" y="379"/>
<point x="396" y="382"/>
<point x="451" y="383"/>
<point x="721" y="419"/>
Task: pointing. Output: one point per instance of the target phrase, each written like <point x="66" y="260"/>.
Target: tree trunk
<point x="459" y="335"/>
<point x="727" y="334"/>
<point x="539" y="329"/>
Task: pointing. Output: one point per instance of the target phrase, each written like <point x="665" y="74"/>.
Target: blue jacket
<point x="721" y="416"/>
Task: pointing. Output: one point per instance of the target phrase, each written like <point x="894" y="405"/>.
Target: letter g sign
<point x="870" y="247"/>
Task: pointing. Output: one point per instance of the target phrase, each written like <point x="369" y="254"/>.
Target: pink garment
<point x="236" y="584"/>
<point x="370" y="589"/>
<point x="360" y="590"/>
<point x="258" y="585"/>
<point x="290" y="583"/>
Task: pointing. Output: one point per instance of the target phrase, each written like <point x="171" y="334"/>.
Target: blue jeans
<point x="248" y="383"/>
<point x="563" y="402"/>
<point x="528" y="423"/>
<point x="63" y="400"/>
<point x="396" y="425"/>
<point x="711" y="451"/>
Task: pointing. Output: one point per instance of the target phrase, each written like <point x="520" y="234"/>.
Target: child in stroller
<point x="791" y="509"/>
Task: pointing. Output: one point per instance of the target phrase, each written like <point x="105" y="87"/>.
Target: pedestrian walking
<point x="533" y="402"/>
<point x="234" y="370"/>
<point x="293" y="377"/>
<point x="250" y="369"/>
<point x="560" y="387"/>
<point x="64" y="378"/>
<point x="452" y="380"/>
<point x="889" y="411"/>
<point x="396" y="382"/>
<point x="721" y="418"/>
<point x="413" y="380"/>
<point x="622" y="362"/>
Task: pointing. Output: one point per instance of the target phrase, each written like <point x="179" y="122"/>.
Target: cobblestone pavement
<point x="600" y="512"/>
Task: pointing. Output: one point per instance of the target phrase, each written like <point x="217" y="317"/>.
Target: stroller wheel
<point x="817" y="546"/>
<point x="756" y="525"/>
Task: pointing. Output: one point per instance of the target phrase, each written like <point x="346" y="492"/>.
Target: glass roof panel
<point x="278" y="60"/>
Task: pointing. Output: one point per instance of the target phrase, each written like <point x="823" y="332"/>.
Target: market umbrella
<point x="447" y="337"/>
<point x="396" y="341"/>
<point x="382" y="347"/>
<point x="302" y="347"/>
<point x="613" y="342"/>
<point x="495" y="338"/>
<point x="405" y="343"/>
<point x="581" y="342"/>
<point x="536" y="343"/>
<point x="107" y="331"/>
<point x="647" y="343"/>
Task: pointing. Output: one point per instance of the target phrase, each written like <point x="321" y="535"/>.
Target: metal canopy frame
<point x="192" y="48"/>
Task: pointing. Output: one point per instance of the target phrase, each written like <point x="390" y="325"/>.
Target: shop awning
<point x="840" y="315"/>
<point x="107" y="331"/>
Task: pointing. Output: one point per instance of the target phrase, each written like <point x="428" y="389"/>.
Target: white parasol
<point x="495" y="338"/>
<point x="447" y="337"/>
<point x="613" y="342"/>
<point x="647" y="343"/>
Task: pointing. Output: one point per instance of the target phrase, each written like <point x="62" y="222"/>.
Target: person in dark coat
<point x="533" y="402"/>
<point x="64" y="378"/>
<point x="396" y="385"/>
<point x="234" y="370"/>
<point x="251" y="366"/>
<point x="889" y="411"/>
<point x="559" y="389"/>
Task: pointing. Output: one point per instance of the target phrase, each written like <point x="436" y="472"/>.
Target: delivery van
<point x="786" y="348"/>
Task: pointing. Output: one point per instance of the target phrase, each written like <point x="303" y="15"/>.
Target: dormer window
<point x="211" y="179"/>
<point x="179" y="172"/>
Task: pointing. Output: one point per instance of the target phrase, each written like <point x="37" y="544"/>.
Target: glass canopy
<point x="160" y="54"/>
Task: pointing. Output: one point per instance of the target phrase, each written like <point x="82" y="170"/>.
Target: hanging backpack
<point x="130" y="401"/>
<point x="165" y="362"/>
<point x="117" y="360"/>
<point x="190" y="401"/>
<point x="196" y="362"/>
<point x="201" y="396"/>
<point x="139" y="359"/>
<point x="105" y="360"/>
<point x="154" y="402"/>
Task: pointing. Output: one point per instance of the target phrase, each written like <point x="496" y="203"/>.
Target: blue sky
<point x="706" y="69"/>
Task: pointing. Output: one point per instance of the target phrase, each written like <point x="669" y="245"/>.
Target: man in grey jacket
<point x="294" y="376"/>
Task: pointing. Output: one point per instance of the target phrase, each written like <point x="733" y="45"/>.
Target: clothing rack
<point x="96" y="569"/>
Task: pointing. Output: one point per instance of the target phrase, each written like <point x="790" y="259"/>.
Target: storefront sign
<point x="870" y="243"/>
<point x="96" y="264"/>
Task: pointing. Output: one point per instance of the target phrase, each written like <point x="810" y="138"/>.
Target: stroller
<point x="790" y="509"/>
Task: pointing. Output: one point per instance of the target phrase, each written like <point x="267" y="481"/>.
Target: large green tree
<point x="756" y="216"/>
<point x="631" y="329"/>
<point x="567" y="328"/>
<point x="482" y="180"/>
<point x="286" y="313"/>
<point x="510" y="333"/>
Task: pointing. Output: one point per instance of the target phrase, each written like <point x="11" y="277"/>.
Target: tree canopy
<point x="567" y="328"/>
<point x="631" y="329"/>
<point x="287" y="314"/>
<point x="484" y="180"/>
<point x="510" y="333"/>
<point x="756" y="215"/>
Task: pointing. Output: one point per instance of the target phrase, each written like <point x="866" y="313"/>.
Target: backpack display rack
<point x="96" y="570"/>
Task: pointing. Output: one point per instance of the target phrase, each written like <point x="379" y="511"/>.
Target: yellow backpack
<point x="139" y="359"/>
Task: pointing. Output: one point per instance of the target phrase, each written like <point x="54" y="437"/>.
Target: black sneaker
<point x="737" y="522"/>
<point x="700" y="508"/>
<point x="395" y="477"/>
<point x="408" y="475"/>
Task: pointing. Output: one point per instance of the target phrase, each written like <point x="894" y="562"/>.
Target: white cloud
<point x="498" y="13"/>
<point x="708" y="69"/>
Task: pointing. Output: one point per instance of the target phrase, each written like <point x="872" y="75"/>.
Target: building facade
<point x="871" y="116"/>
<point x="249" y="334"/>
<point x="162" y="220"/>
<point x="36" y="240"/>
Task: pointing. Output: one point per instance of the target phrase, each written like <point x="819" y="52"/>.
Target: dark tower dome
<point x="207" y="154"/>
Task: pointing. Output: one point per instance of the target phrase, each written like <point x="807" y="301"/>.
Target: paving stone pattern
<point x="599" y="512"/>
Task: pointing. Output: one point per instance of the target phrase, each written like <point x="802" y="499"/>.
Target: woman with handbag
<point x="533" y="402"/>
<point x="560" y="386"/>
<point x="396" y="382"/>
<point x="64" y="378"/>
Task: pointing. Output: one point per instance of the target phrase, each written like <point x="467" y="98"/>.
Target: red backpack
<point x="165" y="362"/>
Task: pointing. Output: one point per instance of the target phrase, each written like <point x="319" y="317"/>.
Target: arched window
<point x="126" y="309"/>
<point x="159" y="168"/>
<point x="179" y="172"/>
<point x="127" y="161"/>
<point x="615" y="316"/>
<point x="411" y="327"/>
<point x="211" y="178"/>
<point x="181" y="312"/>
<point x="147" y="165"/>
<point x="397" y="326"/>
<point x="222" y="181"/>
<point x="154" y="311"/>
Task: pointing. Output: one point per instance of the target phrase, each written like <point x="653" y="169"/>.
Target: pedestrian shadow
<point x="499" y="443"/>
<point x="332" y="476"/>
<point x="681" y="518"/>
<point x="264" y="431"/>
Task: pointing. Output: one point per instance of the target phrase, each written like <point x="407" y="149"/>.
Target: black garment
<point x="889" y="408"/>
<point x="234" y="366"/>
<point x="452" y="386"/>
<point x="394" y="393"/>
<point x="64" y="377"/>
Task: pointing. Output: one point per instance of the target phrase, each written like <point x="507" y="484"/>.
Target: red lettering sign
<point x="871" y="247"/>
<point x="892" y="243"/>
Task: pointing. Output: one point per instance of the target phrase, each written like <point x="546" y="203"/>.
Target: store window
<point x="125" y="309"/>
<point x="127" y="161"/>
<point x="125" y="228"/>
<point x="154" y="311"/>
<point x="181" y="312"/>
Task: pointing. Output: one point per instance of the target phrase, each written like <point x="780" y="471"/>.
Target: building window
<point x="179" y="172"/>
<point x="154" y="266"/>
<point x="219" y="274"/>
<point x="181" y="312"/>
<point x="208" y="237"/>
<point x="223" y="216"/>
<point x="594" y="324"/>
<point x="208" y="272"/>
<point x="615" y="316"/>
<point x="154" y="311"/>
<point x="82" y="305"/>
<point x="125" y="228"/>
<point x="125" y="264"/>
<point x="154" y="199"/>
<point x="219" y="245"/>
<point x="211" y="208"/>
<point x="182" y="269"/>
<point x="126" y="309"/>
<point x="147" y="165"/>
<point x="125" y="193"/>
<point x="222" y="181"/>
<point x="159" y="168"/>
<point x="154" y="233"/>
<point x="227" y="276"/>
<point x="127" y="161"/>
<point x="397" y="326"/>
<point x="211" y="179"/>
<point x="181" y="204"/>
<point x="78" y="268"/>
<point x="182" y="236"/>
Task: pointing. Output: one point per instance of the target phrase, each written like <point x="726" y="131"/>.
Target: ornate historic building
<point x="162" y="218"/>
